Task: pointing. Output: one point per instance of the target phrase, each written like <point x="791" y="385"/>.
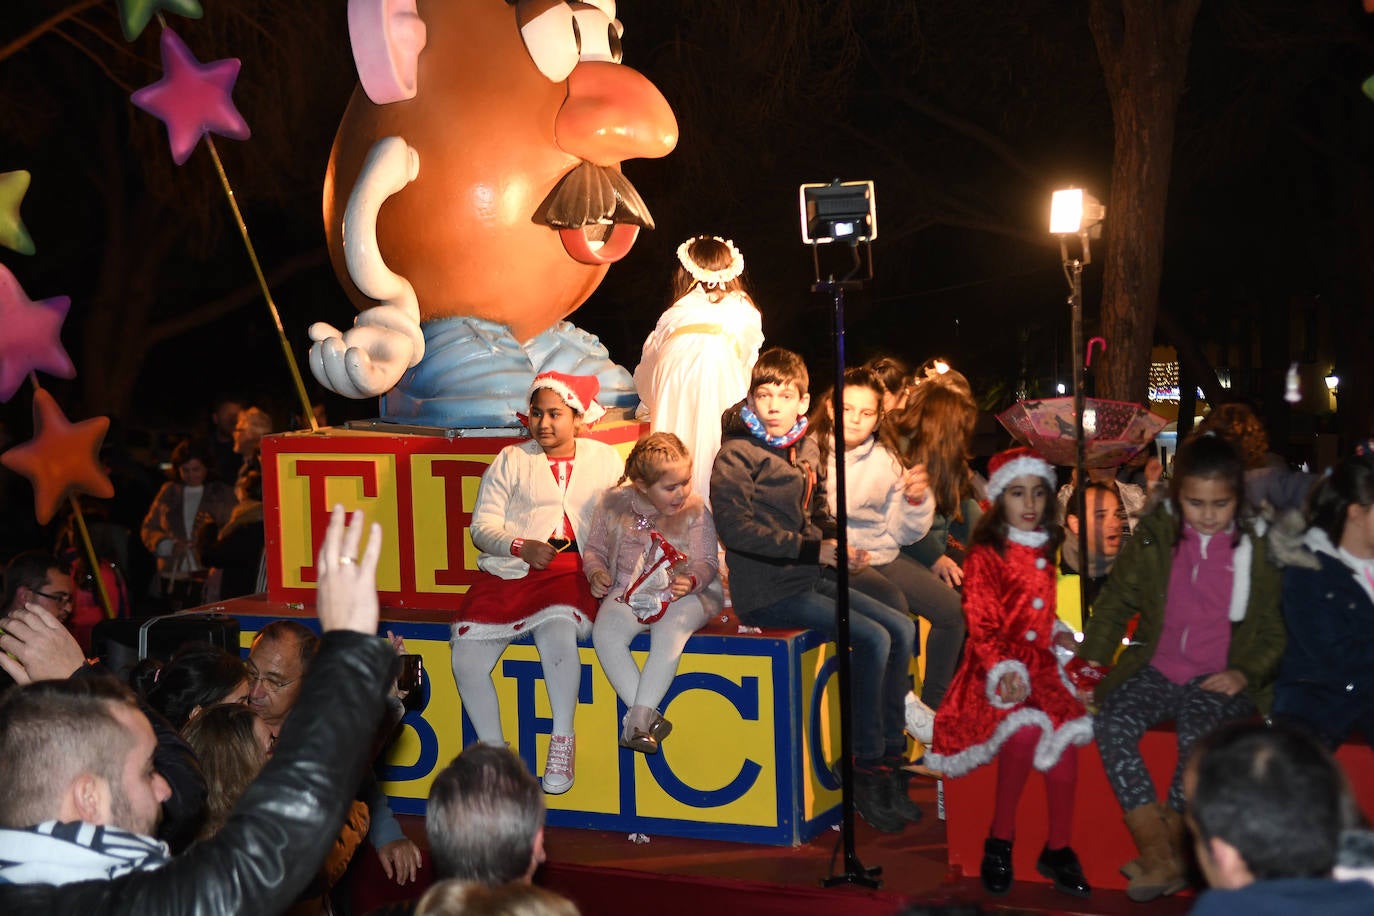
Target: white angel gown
<point x="694" y="366"/>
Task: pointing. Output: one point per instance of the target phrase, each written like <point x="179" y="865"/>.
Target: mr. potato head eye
<point x="560" y="34"/>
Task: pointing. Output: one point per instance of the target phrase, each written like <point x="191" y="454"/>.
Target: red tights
<point x="1014" y="763"/>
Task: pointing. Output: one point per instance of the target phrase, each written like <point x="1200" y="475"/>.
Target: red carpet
<point x="606" y="875"/>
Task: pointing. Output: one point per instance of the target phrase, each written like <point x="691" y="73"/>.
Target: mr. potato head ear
<point x="387" y="37"/>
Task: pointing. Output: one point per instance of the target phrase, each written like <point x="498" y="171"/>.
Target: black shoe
<point x="873" y="800"/>
<point x="996" y="869"/>
<point x="901" y="802"/>
<point x="1061" y="866"/>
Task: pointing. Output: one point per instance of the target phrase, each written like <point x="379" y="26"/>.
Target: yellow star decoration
<point x="13" y="235"/>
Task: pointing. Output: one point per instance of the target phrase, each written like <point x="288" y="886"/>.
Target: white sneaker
<point x="920" y="719"/>
<point x="558" y="772"/>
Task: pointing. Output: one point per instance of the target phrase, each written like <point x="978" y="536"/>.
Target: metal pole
<point x="854" y="870"/>
<point x="1074" y="269"/>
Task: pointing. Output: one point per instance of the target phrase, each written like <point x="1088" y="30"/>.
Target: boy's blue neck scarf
<point x="755" y="425"/>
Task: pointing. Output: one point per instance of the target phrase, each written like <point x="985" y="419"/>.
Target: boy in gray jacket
<point x="776" y="533"/>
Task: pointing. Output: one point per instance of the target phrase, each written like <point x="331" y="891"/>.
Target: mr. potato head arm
<point x="496" y="153"/>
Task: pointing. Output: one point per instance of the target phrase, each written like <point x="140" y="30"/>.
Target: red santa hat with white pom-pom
<point x="577" y="391"/>
<point x="1004" y="467"/>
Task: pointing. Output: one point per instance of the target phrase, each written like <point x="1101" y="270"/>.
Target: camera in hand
<point x="412" y="672"/>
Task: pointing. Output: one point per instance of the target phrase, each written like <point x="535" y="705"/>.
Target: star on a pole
<point x="192" y="99"/>
<point x="13" y="235"/>
<point x="30" y="336"/>
<point x="134" y="15"/>
<point x="62" y="458"/>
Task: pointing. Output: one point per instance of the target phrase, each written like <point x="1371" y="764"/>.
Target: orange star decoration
<point x="62" y="458"/>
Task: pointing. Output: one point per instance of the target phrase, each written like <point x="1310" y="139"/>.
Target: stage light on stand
<point x="842" y="211"/>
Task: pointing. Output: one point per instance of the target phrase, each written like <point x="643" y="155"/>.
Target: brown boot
<point x="1159" y="873"/>
<point x="1178" y="839"/>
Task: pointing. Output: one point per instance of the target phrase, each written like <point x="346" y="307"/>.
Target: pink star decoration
<point x="30" y="336"/>
<point x="192" y="98"/>
<point x="62" y="458"/>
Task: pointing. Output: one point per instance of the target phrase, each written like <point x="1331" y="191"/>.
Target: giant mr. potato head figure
<point x="473" y="200"/>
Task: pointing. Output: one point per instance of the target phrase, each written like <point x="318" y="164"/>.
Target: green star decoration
<point x="134" y="15"/>
<point x="13" y="235"/>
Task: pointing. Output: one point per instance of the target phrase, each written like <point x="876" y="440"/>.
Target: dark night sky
<point x="1259" y="212"/>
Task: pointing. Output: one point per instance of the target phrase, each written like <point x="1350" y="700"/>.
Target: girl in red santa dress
<point x="534" y="503"/>
<point x="1010" y="698"/>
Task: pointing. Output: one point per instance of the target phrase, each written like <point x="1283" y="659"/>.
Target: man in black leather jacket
<point x="279" y="833"/>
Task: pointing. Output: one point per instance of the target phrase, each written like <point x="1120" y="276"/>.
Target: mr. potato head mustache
<point x="597" y="212"/>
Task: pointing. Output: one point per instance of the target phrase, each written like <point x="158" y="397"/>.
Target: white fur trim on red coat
<point x="995" y="673"/>
<point x="506" y="632"/>
<point x="1047" y="751"/>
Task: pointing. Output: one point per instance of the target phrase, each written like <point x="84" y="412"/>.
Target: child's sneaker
<point x="920" y="719"/>
<point x="558" y="772"/>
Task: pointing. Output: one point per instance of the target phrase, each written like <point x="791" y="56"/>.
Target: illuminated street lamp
<point x="1074" y="212"/>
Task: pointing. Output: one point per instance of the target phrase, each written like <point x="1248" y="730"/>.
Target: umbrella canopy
<point x="1114" y="431"/>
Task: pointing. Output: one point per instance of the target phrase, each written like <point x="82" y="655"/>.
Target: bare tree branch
<point x="249" y="292"/>
<point x="37" y="32"/>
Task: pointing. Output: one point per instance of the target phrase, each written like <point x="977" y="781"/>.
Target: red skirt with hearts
<point x="502" y="609"/>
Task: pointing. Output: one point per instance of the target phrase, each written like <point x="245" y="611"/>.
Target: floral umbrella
<point x="1114" y="431"/>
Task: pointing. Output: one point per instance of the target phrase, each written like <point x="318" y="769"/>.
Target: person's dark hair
<point x="1091" y="486"/>
<point x="198" y="674"/>
<point x="27" y="570"/>
<point x="821" y="425"/>
<point x="485" y="811"/>
<point x="1238" y="425"/>
<point x="1274" y="794"/>
<point x="470" y="898"/>
<point x="251" y="482"/>
<point x="191" y="450"/>
<point x="893" y="374"/>
<point x="1350" y="483"/>
<point x="776" y="366"/>
<point x="51" y="732"/>
<point x="991" y="530"/>
<point x="305" y="639"/>
<point x="937" y="425"/>
<point x="1208" y="455"/>
<point x="229" y="756"/>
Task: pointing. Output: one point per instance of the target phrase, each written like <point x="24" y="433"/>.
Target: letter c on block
<point x="744" y="696"/>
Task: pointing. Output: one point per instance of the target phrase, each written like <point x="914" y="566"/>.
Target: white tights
<point x="616" y="625"/>
<point x="473" y="661"/>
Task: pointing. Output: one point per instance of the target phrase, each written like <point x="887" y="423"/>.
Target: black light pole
<point x="854" y="870"/>
<point x="1073" y="212"/>
<point x="1073" y="272"/>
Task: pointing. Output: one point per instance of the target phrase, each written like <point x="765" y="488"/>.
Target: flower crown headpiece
<point x="711" y="278"/>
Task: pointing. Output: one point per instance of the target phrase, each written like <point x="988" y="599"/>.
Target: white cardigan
<point x="519" y="498"/>
<point x="880" y="520"/>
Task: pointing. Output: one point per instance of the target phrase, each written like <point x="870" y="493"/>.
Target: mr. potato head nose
<point x="613" y="113"/>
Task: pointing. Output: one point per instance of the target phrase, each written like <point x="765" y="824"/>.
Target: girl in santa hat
<point x="1010" y="698"/>
<point x="533" y="504"/>
<point x="651" y="558"/>
<point x="696" y="363"/>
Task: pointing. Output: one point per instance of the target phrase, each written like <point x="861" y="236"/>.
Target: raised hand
<point x="347" y="591"/>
